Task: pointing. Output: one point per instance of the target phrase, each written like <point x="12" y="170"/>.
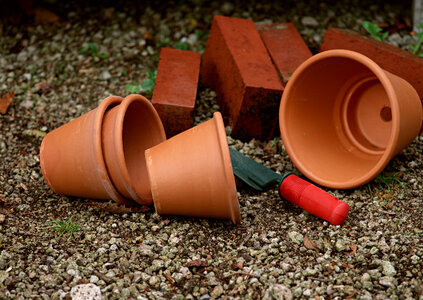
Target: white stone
<point x="87" y="291"/>
<point x="342" y="245"/>
<point x="227" y="7"/>
<point x="185" y="271"/>
<point x="192" y="39"/>
<point x="72" y="272"/>
<point x="307" y="293"/>
<point x="388" y="269"/>
<point x="27" y="103"/>
<point x="173" y="240"/>
<point x="412" y="164"/>
<point x="101" y="250"/>
<point x="105" y="75"/>
<point x="387" y="281"/>
<point x="278" y="291"/>
<point x="296" y="237"/>
<point x="309" y="21"/>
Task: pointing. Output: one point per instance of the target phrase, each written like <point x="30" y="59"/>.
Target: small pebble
<point x="309" y="21"/>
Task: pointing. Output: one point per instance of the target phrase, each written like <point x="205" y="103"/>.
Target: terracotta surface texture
<point x="128" y="130"/>
<point x="72" y="161"/>
<point x="285" y="45"/>
<point x="393" y="59"/>
<point x="343" y="118"/>
<point x="176" y="88"/>
<point x="191" y="174"/>
<point x="237" y="66"/>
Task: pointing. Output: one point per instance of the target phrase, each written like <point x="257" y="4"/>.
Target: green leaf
<point x="181" y="45"/>
<point x="84" y="50"/>
<point x="152" y="74"/>
<point x="163" y="42"/>
<point x="417" y="45"/>
<point x="67" y="228"/>
<point x="371" y="28"/>
<point x="103" y="55"/>
<point x="147" y="84"/>
<point x="133" y="87"/>
<point x="375" y="31"/>
<point x="416" y="48"/>
<point x="420" y="54"/>
<point x="199" y="33"/>
<point x="93" y="48"/>
<point x="384" y="36"/>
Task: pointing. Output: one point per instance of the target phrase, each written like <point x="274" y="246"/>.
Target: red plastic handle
<point x="313" y="199"/>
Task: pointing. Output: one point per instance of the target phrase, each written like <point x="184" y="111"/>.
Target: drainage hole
<point x="386" y="114"/>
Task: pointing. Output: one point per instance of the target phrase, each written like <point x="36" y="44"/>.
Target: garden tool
<point x="292" y="188"/>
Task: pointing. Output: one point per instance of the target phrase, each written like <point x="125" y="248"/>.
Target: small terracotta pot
<point x="71" y="157"/>
<point x="343" y="118"/>
<point x="128" y="130"/>
<point x="191" y="174"/>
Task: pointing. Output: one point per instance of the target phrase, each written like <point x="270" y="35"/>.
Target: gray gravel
<point x="278" y="251"/>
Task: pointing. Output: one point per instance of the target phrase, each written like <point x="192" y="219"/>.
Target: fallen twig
<point x="169" y="277"/>
<point x="103" y="277"/>
<point x="118" y="208"/>
<point x="320" y="279"/>
<point x="246" y="239"/>
<point x="242" y="273"/>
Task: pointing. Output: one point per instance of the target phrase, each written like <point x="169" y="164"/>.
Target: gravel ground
<point x="278" y="251"/>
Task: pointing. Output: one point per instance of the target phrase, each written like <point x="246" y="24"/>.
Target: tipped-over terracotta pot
<point x="71" y="157"/>
<point x="343" y="118"/>
<point x="128" y="130"/>
<point x="191" y="174"/>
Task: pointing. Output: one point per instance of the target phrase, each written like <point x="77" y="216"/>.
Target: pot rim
<point x="98" y="150"/>
<point x="380" y="74"/>
<point x="118" y="138"/>
<point x="227" y="164"/>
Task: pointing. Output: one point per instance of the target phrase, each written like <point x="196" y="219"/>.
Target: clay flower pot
<point x="71" y="157"/>
<point x="191" y="174"/>
<point x="128" y="130"/>
<point x="343" y="118"/>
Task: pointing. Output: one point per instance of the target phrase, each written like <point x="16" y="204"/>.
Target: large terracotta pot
<point x="191" y="174"/>
<point x="72" y="161"/>
<point x="128" y="130"/>
<point x="343" y="118"/>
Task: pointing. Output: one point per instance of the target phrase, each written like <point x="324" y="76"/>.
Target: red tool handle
<point x="313" y="199"/>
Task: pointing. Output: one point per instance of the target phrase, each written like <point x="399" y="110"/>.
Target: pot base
<point x="367" y="116"/>
<point x="191" y="174"/>
<point x="343" y="118"/>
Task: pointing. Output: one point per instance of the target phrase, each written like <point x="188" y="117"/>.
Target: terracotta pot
<point x="128" y="130"/>
<point x="343" y="118"/>
<point x="71" y="157"/>
<point x="191" y="174"/>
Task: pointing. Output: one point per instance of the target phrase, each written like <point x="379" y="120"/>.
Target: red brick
<point x="237" y="66"/>
<point x="286" y="47"/>
<point x="393" y="59"/>
<point x="175" y="90"/>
